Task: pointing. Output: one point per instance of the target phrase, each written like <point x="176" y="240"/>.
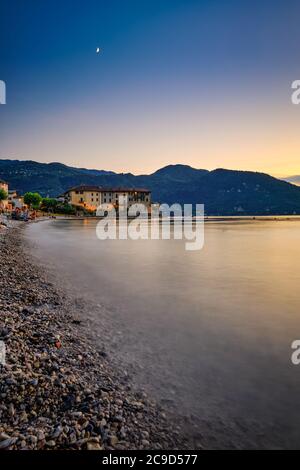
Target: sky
<point x="205" y="83"/>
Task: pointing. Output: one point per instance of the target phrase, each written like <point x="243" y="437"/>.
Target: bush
<point x="66" y="209"/>
<point x="49" y="204"/>
<point x="3" y="195"/>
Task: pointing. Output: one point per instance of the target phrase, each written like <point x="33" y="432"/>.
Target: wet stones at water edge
<point x="57" y="390"/>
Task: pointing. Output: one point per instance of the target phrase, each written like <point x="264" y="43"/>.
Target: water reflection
<point x="208" y="331"/>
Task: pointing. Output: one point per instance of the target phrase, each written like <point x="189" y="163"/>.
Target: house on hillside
<point x="16" y="201"/>
<point x="91" y="197"/>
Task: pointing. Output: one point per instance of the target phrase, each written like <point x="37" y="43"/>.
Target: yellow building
<point x="15" y="200"/>
<point x="91" y="197"/>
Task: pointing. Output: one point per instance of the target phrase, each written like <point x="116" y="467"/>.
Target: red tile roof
<point x="101" y="189"/>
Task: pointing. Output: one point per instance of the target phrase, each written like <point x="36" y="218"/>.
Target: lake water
<point x="208" y="333"/>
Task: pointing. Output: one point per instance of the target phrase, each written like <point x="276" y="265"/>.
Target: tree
<point x="57" y="207"/>
<point x="3" y="195"/>
<point x="49" y="204"/>
<point x="66" y="209"/>
<point x="33" y="200"/>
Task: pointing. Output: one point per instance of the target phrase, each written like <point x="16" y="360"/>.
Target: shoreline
<point x="58" y="390"/>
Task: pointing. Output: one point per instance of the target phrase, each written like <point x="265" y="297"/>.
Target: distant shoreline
<point x="209" y="218"/>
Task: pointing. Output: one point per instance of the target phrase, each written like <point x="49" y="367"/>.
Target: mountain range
<point x="224" y="192"/>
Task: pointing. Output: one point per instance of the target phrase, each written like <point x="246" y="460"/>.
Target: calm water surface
<point x="209" y="332"/>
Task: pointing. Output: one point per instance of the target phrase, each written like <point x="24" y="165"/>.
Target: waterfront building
<point x="92" y="197"/>
<point x="16" y="201"/>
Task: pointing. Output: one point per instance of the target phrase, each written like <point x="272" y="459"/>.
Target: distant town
<point x="79" y="200"/>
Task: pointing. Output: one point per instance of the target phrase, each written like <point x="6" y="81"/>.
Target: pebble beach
<point x="58" y="391"/>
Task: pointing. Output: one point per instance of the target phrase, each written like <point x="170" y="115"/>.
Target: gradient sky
<point x="205" y="83"/>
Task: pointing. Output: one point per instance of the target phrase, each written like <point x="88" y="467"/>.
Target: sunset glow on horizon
<point x="202" y="83"/>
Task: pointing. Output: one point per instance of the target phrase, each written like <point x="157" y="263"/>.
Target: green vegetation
<point x="3" y="195"/>
<point x="65" y="209"/>
<point x="53" y="206"/>
<point x="49" y="204"/>
<point x="33" y="200"/>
